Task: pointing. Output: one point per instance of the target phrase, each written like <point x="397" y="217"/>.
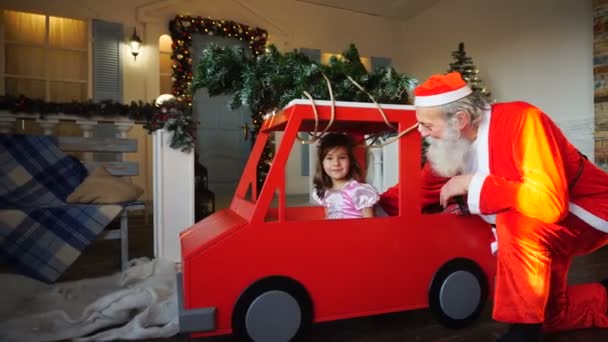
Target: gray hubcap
<point x="274" y="316"/>
<point x="460" y="295"/>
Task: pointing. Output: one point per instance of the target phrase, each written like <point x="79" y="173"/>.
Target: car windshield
<point x="279" y="175"/>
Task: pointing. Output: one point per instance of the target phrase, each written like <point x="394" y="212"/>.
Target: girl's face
<point x="336" y="163"/>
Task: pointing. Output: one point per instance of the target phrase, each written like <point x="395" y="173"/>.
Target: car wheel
<point x="458" y="293"/>
<point x="273" y="310"/>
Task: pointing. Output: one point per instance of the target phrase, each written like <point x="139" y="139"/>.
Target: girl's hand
<point x="457" y="185"/>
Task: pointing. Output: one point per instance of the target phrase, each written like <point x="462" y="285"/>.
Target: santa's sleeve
<point x="542" y="191"/>
<point x="389" y="200"/>
<point x="431" y="185"/>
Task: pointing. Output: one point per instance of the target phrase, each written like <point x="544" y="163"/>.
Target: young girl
<point x="338" y="180"/>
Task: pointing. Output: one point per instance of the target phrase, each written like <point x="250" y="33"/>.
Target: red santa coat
<point x="549" y="204"/>
<point x="525" y="163"/>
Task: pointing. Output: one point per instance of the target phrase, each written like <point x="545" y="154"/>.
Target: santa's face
<point x="447" y="147"/>
<point x="431" y="122"/>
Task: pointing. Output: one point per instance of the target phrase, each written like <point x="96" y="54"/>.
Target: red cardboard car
<point x="266" y="271"/>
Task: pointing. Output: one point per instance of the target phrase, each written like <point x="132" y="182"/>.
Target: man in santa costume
<point x="546" y="200"/>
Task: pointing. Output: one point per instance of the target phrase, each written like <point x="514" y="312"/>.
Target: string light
<point x="182" y="28"/>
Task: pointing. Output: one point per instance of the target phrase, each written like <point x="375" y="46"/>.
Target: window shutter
<point x="380" y="62"/>
<point x="315" y="56"/>
<point x="107" y="73"/>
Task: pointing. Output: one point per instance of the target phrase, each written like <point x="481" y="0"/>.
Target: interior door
<point x="221" y="142"/>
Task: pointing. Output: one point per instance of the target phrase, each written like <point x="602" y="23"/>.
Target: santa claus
<point x="546" y="200"/>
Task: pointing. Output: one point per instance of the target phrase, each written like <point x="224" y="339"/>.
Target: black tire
<point x="458" y="293"/>
<point x="275" y="309"/>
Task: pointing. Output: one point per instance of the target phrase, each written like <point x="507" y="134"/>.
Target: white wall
<point x="538" y="51"/>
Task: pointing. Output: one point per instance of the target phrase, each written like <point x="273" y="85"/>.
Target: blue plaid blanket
<point x="40" y="234"/>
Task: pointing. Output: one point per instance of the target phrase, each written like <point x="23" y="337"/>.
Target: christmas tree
<point x="464" y="65"/>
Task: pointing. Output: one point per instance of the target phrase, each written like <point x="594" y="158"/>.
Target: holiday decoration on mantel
<point x="464" y="65"/>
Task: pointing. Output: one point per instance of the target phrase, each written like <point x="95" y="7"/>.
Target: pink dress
<point x="348" y="201"/>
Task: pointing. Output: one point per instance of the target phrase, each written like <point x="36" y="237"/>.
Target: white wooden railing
<point x="9" y="122"/>
<point x="173" y="174"/>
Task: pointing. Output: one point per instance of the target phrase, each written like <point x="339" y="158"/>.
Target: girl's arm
<point x="368" y="212"/>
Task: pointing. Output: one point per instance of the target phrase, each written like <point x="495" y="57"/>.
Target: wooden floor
<point x="103" y="258"/>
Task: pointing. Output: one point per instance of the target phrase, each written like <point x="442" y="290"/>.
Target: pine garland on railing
<point x="174" y="116"/>
<point x="137" y="111"/>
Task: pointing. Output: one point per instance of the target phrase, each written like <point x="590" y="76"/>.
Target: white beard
<point x="448" y="155"/>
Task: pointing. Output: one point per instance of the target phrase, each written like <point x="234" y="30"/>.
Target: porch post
<point x="377" y="167"/>
<point x="173" y="184"/>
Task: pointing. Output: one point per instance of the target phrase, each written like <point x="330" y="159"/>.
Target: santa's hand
<point x="456" y="186"/>
<point x="456" y="209"/>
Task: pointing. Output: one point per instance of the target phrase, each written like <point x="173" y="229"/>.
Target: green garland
<point x="172" y="115"/>
<point x="182" y="27"/>
<point x="268" y="81"/>
<point x="137" y="111"/>
<point x="176" y="117"/>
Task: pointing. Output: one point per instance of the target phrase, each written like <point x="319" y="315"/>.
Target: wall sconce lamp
<point x="135" y="43"/>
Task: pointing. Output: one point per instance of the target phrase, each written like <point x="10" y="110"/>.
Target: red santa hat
<point x="441" y="89"/>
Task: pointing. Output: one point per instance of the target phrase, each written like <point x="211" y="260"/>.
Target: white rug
<point x="138" y="303"/>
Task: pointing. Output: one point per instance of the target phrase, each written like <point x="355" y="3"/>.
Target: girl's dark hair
<point x="327" y="143"/>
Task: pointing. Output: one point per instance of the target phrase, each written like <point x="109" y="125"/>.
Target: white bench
<point x="115" y="168"/>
